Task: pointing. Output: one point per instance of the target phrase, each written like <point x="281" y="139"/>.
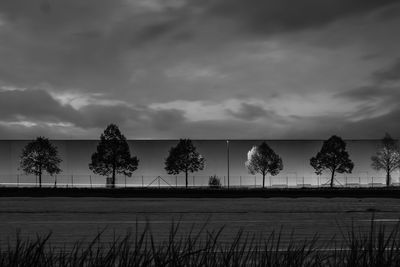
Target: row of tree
<point x="112" y="157"/>
<point x="332" y="157"/>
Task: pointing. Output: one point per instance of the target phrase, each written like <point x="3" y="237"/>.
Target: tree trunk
<point x="263" y="180"/>
<point x="388" y="178"/>
<point x="186" y="178"/>
<point x="332" y="178"/>
<point x="113" y="178"/>
<point x="40" y="176"/>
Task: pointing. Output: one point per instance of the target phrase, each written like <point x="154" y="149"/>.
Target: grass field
<point x="72" y="219"/>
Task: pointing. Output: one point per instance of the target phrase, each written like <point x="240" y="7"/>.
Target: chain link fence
<point x="287" y="180"/>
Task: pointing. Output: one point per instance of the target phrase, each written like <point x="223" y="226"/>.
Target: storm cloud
<point x="277" y="15"/>
<point x="199" y="69"/>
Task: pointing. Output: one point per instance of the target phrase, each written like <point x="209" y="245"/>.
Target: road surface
<point x="72" y="219"/>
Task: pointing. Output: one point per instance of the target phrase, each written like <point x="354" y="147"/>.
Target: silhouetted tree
<point x="387" y="157"/>
<point x="262" y="159"/>
<point x="184" y="158"/>
<point x="40" y="156"/>
<point x="113" y="155"/>
<point x="333" y="157"/>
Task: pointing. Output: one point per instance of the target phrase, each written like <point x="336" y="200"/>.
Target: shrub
<point x="214" y="181"/>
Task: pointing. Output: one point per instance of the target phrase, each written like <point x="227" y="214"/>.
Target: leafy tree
<point x="184" y="158"/>
<point x="113" y="155"/>
<point x="387" y="157"/>
<point x="40" y="156"/>
<point x="333" y="157"/>
<point x="262" y="159"/>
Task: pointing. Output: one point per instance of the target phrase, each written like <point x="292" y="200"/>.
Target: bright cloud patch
<point x="79" y="100"/>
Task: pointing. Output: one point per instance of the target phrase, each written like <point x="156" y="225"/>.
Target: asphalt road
<point x="72" y="219"/>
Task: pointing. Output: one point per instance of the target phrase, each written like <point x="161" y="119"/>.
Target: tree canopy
<point x="387" y="157"/>
<point x="262" y="159"/>
<point x="112" y="155"/>
<point x="40" y="156"/>
<point x="333" y="157"/>
<point x="184" y="158"/>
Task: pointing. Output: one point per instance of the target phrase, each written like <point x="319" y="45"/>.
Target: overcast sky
<point x="260" y="69"/>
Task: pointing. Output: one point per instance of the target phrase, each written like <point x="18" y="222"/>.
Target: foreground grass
<point x="378" y="247"/>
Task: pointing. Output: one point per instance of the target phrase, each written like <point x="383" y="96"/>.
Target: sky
<point x="210" y="69"/>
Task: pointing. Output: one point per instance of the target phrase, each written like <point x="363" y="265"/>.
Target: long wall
<point x="152" y="153"/>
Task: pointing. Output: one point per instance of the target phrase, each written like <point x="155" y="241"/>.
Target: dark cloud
<point x="100" y="115"/>
<point x="391" y="12"/>
<point x="42" y="112"/>
<point x="122" y="50"/>
<point x="286" y="15"/>
<point x="250" y="112"/>
<point x="34" y="105"/>
<point x="363" y="93"/>
<point x="391" y="73"/>
<point x="154" y="31"/>
<point x="71" y="46"/>
<point x="38" y="106"/>
<point x="214" y="129"/>
<point x="51" y="15"/>
<point x="166" y="120"/>
<point x="46" y="6"/>
<point x="387" y="96"/>
<point x="377" y="89"/>
<point x="374" y="127"/>
<point x="87" y="35"/>
<point x="151" y="32"/>
<point x="368" y="128"/>
<point x="15" y="132"/>
<point x="372" y="56"/>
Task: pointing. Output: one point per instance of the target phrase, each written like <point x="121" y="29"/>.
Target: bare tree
<point x="387" y="157"/>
